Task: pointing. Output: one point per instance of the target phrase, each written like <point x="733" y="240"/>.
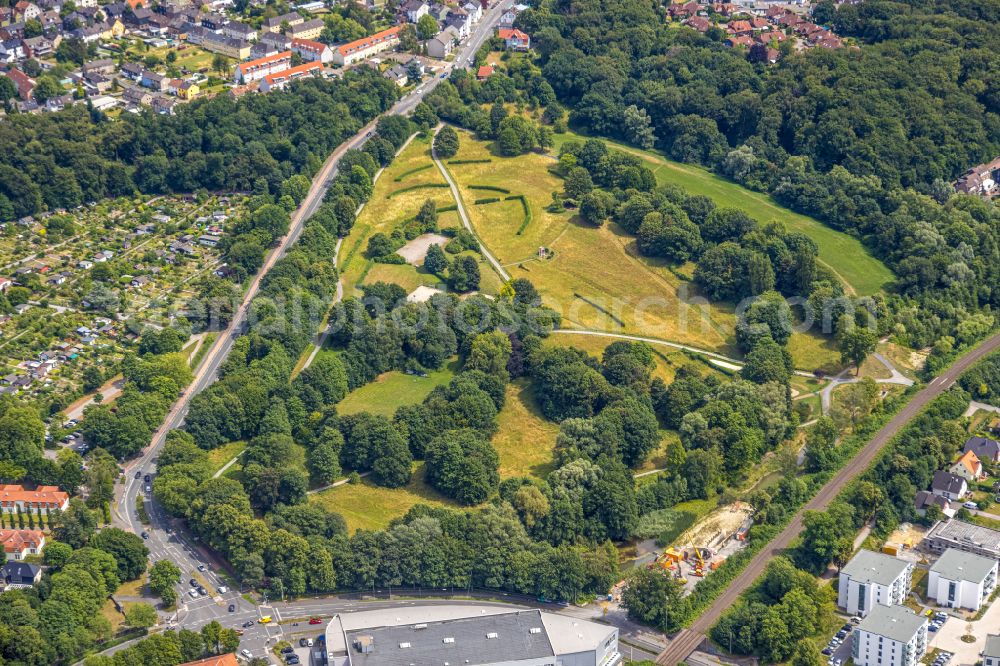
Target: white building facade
<point x="890" y="636"/>
<point x="873" y="579"/>
<point x="962" y="580"/>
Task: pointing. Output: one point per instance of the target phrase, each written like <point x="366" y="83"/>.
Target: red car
<point x="315" y="620"/>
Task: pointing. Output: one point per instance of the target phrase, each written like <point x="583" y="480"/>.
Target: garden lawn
<point x="392" y="390"/>
<point x="406" y="276"/>
<point x="843" y="254"/>
<point x="525" y="440"/>
<point x="383" y="213"/>
<point x="367" y="506"/>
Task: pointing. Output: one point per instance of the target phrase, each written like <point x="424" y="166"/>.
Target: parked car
<point x="194" y="594"/>
<point x="302" y="642"/>
<point x="315" y="620"/>
<point x="147" y="478"/>
<point x="193" y="582"/>
<point x="202" y="591"/>
<point x="292" y="660"/>
<point x="288" y="649"/>
<point x="970" y="505"/>
<point x="246" y="653"/>
<point x="232" y="608"/>
<point x="309" y="642"/>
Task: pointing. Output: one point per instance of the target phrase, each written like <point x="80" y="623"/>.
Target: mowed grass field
<point x="843" y="254"/>
<point x="525" y="440"/>
<point x="217" y="458"/>
<point x="385" y="210"/>
<point x="394" y="389"/>
<point x="595" y="279"/>
<point x="369" y="507"/>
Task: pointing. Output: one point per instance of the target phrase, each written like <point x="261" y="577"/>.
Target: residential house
<point x="352" y="52"/>
<point x="308" y="30"/>
<point x="154" y="81"/>
<point x="514" y="39"/>
<point x="739" y="41"/>
<point x="132" y="71"/>
<point x="949" y="486"/>
<point x="24" y="83"/>
<point x="442" y="44"/>
<point x="19" y="575"/>
<point x="135" y="97"/>
<point x="460" y="21"/>
<point x="890" y="636"/>
<point x="227" y="46"/>
<point x="414" y="9"/>
<point x="985" y="449"/>
<point x="980" y="180"/>
<point x="103" y="66"/>
<point x="963" y="536"/>
<point x="397" y="74"/>
<point x="254" y="70"/>
<point x="11" y="50"/>
<point x="474" y="10"/>
<point x="924" y="499"/>
<point x="698" y="23"/>
<point x="40" y="500"/>
<point x="41" y="46"/>
<point x="872" y="579"/>
<point x="283" y="78"/>
<point x="274" y="24"/>
<point x="438" y="11"/>
<point x="18" y="544"/>
<point x="962" y="580"/>
<point x="968" y="467"/>
<point x="5" y="284"/>
<point x="239" y="30"/>
<point x="312" y="51"/>
<point x="26" y="11"/>
<point x="485" y="72"/>
<point x="140" y="281"/>
<point x="188" y="90"/>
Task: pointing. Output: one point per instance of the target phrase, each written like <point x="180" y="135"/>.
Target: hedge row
<point x="490" y="188"/>
<point x="527" y="211"/>
<point x="416" y="187"/>
<point x="487" y="200"/>
<point x="403" y="175"/>
<point x="486" y="160"/>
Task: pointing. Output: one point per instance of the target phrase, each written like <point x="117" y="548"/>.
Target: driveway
<point x="949" y="637"/>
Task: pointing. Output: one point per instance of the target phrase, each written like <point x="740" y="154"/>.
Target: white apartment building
<point x="991" y="653"/>
<point x="962" y="580"/>
<point x="890" y="636"/>
<point x="873" y="579"/>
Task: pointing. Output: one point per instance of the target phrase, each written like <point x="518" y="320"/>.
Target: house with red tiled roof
<point x="699" y="23"/>
<point x="311" y="50"/>
<point x="514" y="39"/>
<point x="281" y="79"/>
<point x="26" y="11"/>
<point x="684" y="10"/>
<point x="24" y="83"/>
<point x="739" y="40"/>
<point x="255" y="70"/>
<point x="485" y="72"/>
<point x="362" y="49"/>
<point x="739" y="28"/>
<point x="40" y="500"/>
<point x="18" y="544"/>
<point x="969" y="467"/>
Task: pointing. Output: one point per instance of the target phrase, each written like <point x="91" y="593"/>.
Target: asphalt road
<point x="168" y="539"/>
<point x="687" y="640"/>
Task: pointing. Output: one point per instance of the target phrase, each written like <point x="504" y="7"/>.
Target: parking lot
<point x="838" y="650"/>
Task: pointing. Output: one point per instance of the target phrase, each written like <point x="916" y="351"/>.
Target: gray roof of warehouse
<point x="514" y="641"/>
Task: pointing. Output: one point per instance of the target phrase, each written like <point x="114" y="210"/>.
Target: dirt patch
<point x="717" y="527"/>
<point x="415" y="251"/>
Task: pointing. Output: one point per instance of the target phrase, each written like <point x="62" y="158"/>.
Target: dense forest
<point x="60" y="160"/>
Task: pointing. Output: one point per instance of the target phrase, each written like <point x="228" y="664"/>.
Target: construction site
<point x="706" y="545"/>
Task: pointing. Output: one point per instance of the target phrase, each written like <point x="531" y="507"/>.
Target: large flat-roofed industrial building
<point x="466" y="635"/>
